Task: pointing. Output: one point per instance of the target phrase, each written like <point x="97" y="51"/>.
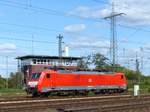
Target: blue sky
<point x="80" y="22"/>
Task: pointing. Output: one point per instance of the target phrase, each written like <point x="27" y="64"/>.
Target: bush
<point x="2" y="83"/>
<point x="146" y="82"/>
<point x="148" y="90"/>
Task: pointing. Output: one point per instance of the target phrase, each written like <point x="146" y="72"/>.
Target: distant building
<point x="30" y="64"/>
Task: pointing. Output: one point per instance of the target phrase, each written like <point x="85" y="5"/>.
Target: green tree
<point x="130" y="74"/>
<point x="82" y="64"/>
<point x="100" y="61"/>
<point x="15" y="80"/>
<point x="85" y="62"/>
<point x="2" y="82"/>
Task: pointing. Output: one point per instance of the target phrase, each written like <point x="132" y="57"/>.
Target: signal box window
<point x="34" y="61"/>
<point x="48" y="76"/>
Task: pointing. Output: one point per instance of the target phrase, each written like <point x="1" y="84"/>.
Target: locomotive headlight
<point x="33" y="83"/>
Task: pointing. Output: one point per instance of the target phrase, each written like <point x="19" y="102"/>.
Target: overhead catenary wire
<point x="57" y="13"/>
<point x="61" y="13"/>
<point x="134" y="28"/>
<point x="122" y="25"/>
<point x="103" y="2"/>
<point x="47" y="29"/>
<point x="107" y="3"/>
<point x="77" y="34"/>
<point x="65" y="13"/>
<point x="28" y="40"/>
<point x="45" y="10"/>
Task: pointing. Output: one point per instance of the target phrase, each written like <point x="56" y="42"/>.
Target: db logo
<point x="89" y="80"/>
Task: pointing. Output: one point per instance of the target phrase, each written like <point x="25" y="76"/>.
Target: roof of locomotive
<point x="46" y="57"/>
<point x="76" y="70"/>
<point x="84" y="72"/>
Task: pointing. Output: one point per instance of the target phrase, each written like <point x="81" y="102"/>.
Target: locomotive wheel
<point x="35" y="93"/>
<point x="91" y="93"/>
<point x="44" y="94"/>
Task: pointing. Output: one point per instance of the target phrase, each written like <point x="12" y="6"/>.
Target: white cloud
<point x="86" y="42"/>
<point x="91" y="44"/>
<point x="137" y="12"/>
<point x="86" y="12"/>
<point x="7" y="48"/>
<point x="75" y="28"/>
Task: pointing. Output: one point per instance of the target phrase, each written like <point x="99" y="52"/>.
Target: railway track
<point x="6" y="99"/>
<point x="76" y="104"/>
<point x="136" y="106"/>
<point x="29" y="98"/>
<point x="52" y="103"/>
<point x="126" y="107"/>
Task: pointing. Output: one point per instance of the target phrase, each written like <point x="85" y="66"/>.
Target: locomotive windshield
<point x="35" y="75"/>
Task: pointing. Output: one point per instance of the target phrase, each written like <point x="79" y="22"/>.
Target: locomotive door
<point x="49" y="81"/>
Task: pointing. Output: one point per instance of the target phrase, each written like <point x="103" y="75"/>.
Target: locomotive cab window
<point x="48" y="75"/>
<point x="35" y="75"/>
<point x="121" y="76"/>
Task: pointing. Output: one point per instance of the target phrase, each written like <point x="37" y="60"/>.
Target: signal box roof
<point x="46" y="57"/>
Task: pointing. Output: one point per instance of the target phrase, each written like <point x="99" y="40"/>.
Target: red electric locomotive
<point x="57" y="81"/>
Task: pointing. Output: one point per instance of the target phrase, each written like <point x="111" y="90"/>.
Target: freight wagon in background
<point x="44" y="76"/>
